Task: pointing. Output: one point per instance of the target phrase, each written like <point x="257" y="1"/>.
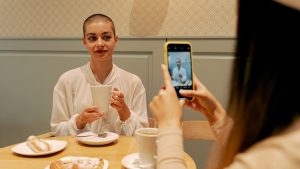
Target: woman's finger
<point x="166" y="76"/>
<point x="181" y="102"/>
<point x="116" y="103"/>
<point x="161" y="91"/>
<point x="91" y="109"/>
<point x="187" y="93"/>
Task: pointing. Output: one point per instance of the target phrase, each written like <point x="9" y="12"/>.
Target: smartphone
<point x="179" y="61"/>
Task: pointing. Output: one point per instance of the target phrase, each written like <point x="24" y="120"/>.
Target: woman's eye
<point x="106" y="38"/>
<point x="92" y="38"/>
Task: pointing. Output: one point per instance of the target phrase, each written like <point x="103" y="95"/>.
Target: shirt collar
<point x="90" y="77"/>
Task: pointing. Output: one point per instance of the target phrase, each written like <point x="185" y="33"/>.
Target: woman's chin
<point x="102" y="58"/>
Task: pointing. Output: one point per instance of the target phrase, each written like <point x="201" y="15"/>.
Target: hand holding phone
<point x="178" y="59"/>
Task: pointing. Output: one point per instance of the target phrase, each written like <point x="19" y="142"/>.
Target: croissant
<point x="57" y="165"/>
<point x="37" y="145"/>
<point x="78" y="163"/>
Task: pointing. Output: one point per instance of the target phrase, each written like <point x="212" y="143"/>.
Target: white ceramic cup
<point x="146" y="145"/>
<point x="101" y="96"/>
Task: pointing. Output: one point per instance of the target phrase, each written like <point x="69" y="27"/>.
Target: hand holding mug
<point x="88" y="115"/>
<point x="117" y="101"/>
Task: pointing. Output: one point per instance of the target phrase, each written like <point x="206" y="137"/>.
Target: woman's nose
<point x="100" y="42"/>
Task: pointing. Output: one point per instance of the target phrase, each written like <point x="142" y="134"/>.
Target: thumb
<point x="181" y="102"/>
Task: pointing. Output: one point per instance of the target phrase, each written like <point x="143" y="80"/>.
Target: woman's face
<point x="100" y="40"/>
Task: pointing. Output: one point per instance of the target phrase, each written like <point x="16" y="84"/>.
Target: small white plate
<point x="90" y="138"/>
<point x="68" y="158"/>
<point x="23" y="149"/>
<point x="131" y="161"/>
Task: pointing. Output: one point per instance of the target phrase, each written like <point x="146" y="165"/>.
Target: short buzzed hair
<point x="96" y="17"/>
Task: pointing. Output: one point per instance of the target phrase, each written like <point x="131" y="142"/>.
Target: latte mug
<point x="146" y="145"/>
<point x="101" y="96"/>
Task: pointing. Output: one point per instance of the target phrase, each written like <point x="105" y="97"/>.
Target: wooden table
<point x="113" y="152"/>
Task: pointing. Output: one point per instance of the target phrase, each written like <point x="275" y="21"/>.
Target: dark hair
<point x="265" y="84"/>
<point x="96" y="17"/>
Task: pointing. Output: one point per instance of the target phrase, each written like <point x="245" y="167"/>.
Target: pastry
<point x="37" y="145"/>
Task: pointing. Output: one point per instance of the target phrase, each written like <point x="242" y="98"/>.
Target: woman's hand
<point x="204" y="102"/>
<point x="117" y="101"/>
<point x="88" y="115"/>
<point x="165" y="106"/>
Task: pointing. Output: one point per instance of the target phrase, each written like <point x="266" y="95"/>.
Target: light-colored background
<point x="40" y="39"/>
<point x="133" y="18"/>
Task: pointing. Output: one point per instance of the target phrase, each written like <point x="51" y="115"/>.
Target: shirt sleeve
<point x="62" y="123"/>
<point x="222" y="129"/>
<point x="170" y="152"/>
<point x="276" y="152"/>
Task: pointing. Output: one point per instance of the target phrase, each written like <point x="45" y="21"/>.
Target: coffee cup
<point x="146" y="145"/>
<point x="101" y="96"/>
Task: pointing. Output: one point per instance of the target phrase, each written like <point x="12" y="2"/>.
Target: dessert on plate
<point x="78" y="163"/>
<point x="37" y="145"/>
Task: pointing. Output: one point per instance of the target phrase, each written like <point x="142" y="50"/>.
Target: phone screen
<point x="179" y="59"/>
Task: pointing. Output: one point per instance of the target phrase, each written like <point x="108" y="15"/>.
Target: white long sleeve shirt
<point x="72" y="95"/>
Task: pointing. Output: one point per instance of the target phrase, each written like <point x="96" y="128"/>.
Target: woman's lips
<point x="100" y="51"/>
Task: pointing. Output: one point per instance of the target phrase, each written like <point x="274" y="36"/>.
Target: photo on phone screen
<point x="179" y="60"/>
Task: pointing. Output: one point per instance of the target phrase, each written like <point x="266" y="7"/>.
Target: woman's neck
<point x="101" y="70"/>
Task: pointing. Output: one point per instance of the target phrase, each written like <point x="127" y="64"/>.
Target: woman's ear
<point x="117" y="40"/>
<point x="83" y="41"/>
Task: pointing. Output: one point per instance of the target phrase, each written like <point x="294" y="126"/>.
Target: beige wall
<point x="63" y="18"/>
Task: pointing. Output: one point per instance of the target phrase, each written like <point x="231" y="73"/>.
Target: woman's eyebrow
<point x="90" y="34"/>
<point x="104" y="33"/>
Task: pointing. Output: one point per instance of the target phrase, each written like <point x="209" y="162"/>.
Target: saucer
<point x="131" y="161"/>
<point x="23" y="149"/>
<point x="93" y="139"/>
